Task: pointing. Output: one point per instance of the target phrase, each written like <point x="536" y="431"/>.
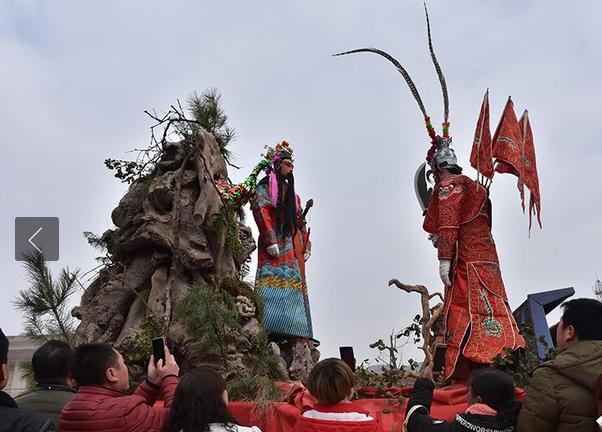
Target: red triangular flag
<point x="507" y="146"/>
<point x="481" y="157"/>
<point x="529" y="168"/>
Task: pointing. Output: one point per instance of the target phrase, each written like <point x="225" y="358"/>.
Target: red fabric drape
<point x="281" y="416"/>
<point x="481" y="156"/>
<point x="529" y="168"/>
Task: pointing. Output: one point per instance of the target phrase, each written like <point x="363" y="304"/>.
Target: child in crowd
<point x="200" y="404"/>
<point x="331" y="382"/>
<point x="491" y="404"/>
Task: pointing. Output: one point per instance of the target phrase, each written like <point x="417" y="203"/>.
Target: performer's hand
<point x="306" y="255"/>
<point x="273" y="250"/>
<point x="433" y="239"/>
<point x="427" y="372"/>
<point x="444" y="269"/>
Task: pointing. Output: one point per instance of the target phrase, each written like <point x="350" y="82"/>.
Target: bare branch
<point x="428" y="317"/>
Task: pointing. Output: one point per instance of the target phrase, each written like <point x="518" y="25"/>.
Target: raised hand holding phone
<point x="159" y="350"/>
<point x="157" y="370"/>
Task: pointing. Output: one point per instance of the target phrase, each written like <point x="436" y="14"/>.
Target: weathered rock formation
<point x="170" y="235"/>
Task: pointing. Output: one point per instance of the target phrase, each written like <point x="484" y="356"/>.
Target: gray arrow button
<point x="37" y="234"/>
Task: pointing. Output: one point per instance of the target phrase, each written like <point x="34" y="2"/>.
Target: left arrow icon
<point x="31" y="238"/>
<point x="45" y="238"/>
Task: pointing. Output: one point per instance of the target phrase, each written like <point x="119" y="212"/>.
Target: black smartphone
<point x="159" y="350"/>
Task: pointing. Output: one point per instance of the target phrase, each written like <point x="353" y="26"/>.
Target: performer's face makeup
<point x="286" y="167"/>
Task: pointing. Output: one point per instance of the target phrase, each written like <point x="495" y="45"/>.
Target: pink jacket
<point x="97" y="408"/>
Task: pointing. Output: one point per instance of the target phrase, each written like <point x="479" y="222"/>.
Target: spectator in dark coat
<point x="12" y="418"/>
<point x="52" y="371"/>
<point x="491" y="404"/>
<point x="102" y="404"/>
<point x="560" y="395"/>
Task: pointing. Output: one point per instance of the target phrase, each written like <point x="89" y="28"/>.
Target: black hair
<point x="453" y="169"/>
<point x="52" y="362"/>
<point x="198" y="402"/>
<point x="91" y="361"/>
<point x="287" y="207"/>
<point x="3" y="348"/>
<point x="585" y="315"/>
<point x="496" y="389"/>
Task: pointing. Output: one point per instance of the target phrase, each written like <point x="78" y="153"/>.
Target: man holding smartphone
<point x="102" y="402"/>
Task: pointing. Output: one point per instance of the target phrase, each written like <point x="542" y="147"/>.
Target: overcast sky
<point x="77" y="76"/>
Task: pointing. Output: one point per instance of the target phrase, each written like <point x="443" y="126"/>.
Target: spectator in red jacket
<point x="331" y="382"/>
<point x="102" y="403"/>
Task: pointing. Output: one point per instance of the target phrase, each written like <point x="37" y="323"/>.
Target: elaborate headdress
<point x="236" y="196"/>
<point x="273" y="156"/>
<point x="279" y="152"/>
<point x="440" y="152"/>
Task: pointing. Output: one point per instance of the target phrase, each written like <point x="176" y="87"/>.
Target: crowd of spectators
<point x="87" y="390"/>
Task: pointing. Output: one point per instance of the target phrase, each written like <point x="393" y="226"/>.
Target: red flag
<point x="507" y="148"/>
<point x="529" y="168"/>
<point x="480" y="157"/>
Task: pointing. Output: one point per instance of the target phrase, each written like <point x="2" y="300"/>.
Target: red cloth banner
<point x="507" y="139"/>
<point x="529" y="168"/>
<point x="481" y="155"/>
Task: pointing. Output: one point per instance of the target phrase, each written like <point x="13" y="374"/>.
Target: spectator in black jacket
<point x="491" y="404"/>
<point x="13" y="419"/>
<point x="52" y="371"/>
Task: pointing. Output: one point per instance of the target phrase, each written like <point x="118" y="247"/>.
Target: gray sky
<point x="77" y="76"/>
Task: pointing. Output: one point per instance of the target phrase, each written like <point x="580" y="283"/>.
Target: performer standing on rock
<point x="478" y="323"/>
<point x="284" y="247"/>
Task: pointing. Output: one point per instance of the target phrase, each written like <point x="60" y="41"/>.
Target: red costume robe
<point x="478" y="322"/>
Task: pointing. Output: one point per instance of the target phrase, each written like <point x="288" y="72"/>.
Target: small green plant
<point x="226" y="223"/>
<point x="256" y="388"/>
<point x="236" y="287"/>
<point x="391" y="373"/>
<point x="520" y="363"/>
<point x="141" y="349"/>
<point x="210" y="314"/>
<point x="207" y="111"/>
<point x="45" y="304"/>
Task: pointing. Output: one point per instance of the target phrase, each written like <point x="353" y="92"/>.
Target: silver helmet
<point x="444" y="155"/>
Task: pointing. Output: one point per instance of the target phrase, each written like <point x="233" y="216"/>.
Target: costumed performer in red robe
<point x="478" y="322"/>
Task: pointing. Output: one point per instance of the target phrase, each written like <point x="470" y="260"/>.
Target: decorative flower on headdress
<point x="280" y="151"/>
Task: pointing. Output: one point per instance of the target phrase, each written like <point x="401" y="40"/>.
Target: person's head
<point x="494" y="388"/>
<point x="200" y="399"/>
<point x="99" y="364"/>
<point x="3" y="360"/>
<point x="52" y="363"/>
<point x="285" y="167"/>
<point x="331" y="381"/>
<point x="581" y="320"/>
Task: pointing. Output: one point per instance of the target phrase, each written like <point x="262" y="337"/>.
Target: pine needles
<point x="206" y="112"/>
<point x="45" y="303"/>
<point x="209" y="114"/>
<point x="211" y="316"/>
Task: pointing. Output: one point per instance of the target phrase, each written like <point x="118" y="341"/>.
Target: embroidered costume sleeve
<point x="263" y="214"/>
<point x="454" y="202"/>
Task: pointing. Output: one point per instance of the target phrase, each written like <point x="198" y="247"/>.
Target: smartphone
<point x="159" y="350"/>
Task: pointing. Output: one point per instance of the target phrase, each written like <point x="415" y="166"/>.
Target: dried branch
<point x="428" y="318"/>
